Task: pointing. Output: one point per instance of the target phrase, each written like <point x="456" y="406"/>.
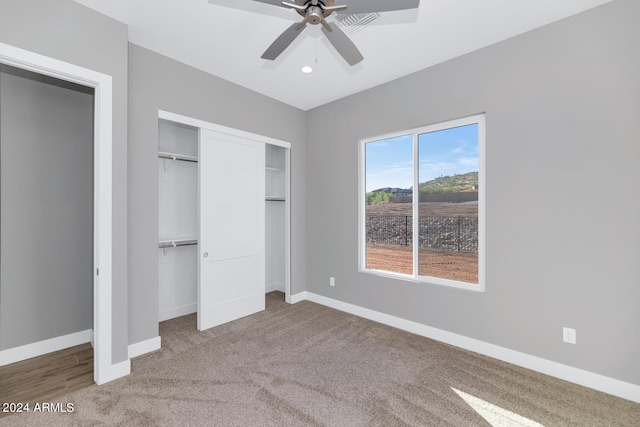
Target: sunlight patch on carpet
<point x="495" y="415"/>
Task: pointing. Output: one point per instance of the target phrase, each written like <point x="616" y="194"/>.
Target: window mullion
<point x="416" y="207"/>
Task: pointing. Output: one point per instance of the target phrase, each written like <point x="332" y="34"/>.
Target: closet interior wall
<point x="178" y="219"/>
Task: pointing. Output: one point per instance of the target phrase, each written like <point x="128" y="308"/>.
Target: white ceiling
<point x="227" y="37"/>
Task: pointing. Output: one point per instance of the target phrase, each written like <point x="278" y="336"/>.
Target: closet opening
<point x="277" y="219"/>
<point x="223" y="222"/>
<point x="177" y="219"/>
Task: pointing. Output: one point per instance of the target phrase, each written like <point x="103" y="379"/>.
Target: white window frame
<point x="478" y="119"/>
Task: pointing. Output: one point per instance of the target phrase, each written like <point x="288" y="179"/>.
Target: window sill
<point x="427" y="280"/>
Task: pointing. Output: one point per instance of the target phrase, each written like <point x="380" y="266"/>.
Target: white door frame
<point x="102" y="221"/>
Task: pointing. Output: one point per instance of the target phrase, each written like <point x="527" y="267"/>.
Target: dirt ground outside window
<point x="447" y="265"/>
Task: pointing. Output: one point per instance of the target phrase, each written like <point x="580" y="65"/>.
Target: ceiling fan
<point x="315" y="12"/>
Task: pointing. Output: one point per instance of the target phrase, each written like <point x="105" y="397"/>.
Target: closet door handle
<point x="206" y="254"/>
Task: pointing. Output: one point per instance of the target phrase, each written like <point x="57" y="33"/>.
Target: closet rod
<point x="164" y="245"/>
<point x="172" y="156"/>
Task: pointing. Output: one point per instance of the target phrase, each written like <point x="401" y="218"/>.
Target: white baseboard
<point x="119" y="370"/>
<point x="568" y="373"/>
<point x="276" y="286"/>
<point x="301" y="296"/>
<point x="172" y="313"/>
<point x="143" y="347"/>
<point x="39" y="348"/>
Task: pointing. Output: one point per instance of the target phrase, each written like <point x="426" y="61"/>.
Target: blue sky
<point x="448" y="152"/>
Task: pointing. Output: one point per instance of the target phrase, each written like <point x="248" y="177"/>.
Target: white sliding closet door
<point x="232" y="228"/>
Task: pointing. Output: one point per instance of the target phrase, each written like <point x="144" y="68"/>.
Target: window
<point x="444" y="162"/>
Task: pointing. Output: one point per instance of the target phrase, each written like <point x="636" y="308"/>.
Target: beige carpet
<point x="305" y="364"/>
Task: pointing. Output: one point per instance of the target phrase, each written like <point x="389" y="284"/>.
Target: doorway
<point x="46" y="208"/>
<point x="101" y="210"/>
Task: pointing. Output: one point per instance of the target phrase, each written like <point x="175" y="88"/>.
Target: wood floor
<point x="43" y="378"/>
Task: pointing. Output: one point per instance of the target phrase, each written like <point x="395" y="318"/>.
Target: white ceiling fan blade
<point x="282" y="42"/>
<point x="369" y="6"/>
<point x="343" y="44"/>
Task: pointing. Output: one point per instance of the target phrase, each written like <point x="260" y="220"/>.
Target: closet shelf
<point x="172" y="243"/>
<point x="176" y="156"/>
<point x="270" y="169"/>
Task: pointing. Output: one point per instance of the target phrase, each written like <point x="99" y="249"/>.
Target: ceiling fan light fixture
<point x="306" y="69"/>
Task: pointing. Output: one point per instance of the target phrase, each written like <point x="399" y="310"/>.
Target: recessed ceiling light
<point x="306" y="69"/>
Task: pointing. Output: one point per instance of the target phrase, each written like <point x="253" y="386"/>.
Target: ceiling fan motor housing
<point x="314" y="14"/>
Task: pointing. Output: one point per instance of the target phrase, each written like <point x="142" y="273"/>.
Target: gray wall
<point x="158" y="83"/>
<point x="562" y="106"/>
<point x="46" y="208"/>
<point x="67" y="31"/>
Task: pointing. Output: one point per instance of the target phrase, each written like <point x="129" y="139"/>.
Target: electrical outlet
<point x="332" y="281"/>
<point x="569" y="335"/>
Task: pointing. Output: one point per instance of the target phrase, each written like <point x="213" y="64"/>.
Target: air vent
<point x="355" y="22"/>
